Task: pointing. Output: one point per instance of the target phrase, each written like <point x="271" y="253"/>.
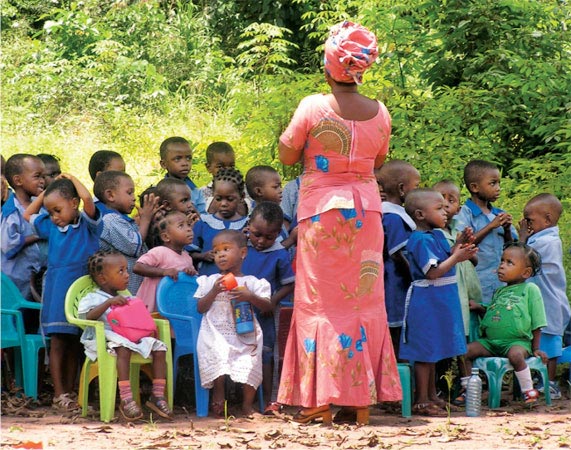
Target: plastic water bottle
<point x="474" y="394"/>
<point x="244" y="317"/>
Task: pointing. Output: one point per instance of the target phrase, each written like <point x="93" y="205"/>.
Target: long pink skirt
<point x="339" y="348"/>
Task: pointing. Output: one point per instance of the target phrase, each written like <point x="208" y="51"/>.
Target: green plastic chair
<point x="495" y="368"/>
<point x="26" y="346"/>
<point x="105" y="367"/>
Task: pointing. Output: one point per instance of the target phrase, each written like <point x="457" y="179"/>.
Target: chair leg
<point x="30" y="369"/>
<point x="201" y="394"/>
<point x="405" y="381"/>
<point x="107" y="390"/>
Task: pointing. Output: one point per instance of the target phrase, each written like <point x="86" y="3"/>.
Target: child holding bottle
<point x="108" y="268"/>
<point x="222" y="351"/>
<point x="432" y="326"/>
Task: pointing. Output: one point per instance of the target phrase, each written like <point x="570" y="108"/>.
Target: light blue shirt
<point x="551" y="279"/>
<point x="490" y="248"/>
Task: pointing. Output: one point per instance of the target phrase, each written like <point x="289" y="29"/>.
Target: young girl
<point x="511" y="326"/>
<point x="228" y="194"/>
<point x="432" y="327"/>
<point x="72" y="236"/>
<point x="221" y="350"/>
<point x="108" y="268"/>
<point x="168" y="259"/>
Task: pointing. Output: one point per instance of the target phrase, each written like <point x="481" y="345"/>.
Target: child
<point x="176" y="159"/>
<point x="174" y="194"/>
<point x="52" y="168"/>
<point x="228" y="193"/>
<point x="511" y="326"/>
<point x="73" y="236"/>
<point x="21" y="253"/>
<point x="268" y="259"/>
<point x="539" y="230"/>
<point x="116" y="191"/>
<point x="492" y="226"/>
<point x="397" y="178"/>
<point x="168" y="259"/>
<point x="432" y="325"/>
<point x="290" y="198"/>
<point x="221" y="350"/>
<point x="103" y="160"/>
<point x="469" y="287"/>
<point x="5" y="190"/>
<point x="109" y="271"/>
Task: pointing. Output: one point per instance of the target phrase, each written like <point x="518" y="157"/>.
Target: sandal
<point x="130" y="410"/>
<point x="428" y="409"/>
<point x="443" y="404"/>
<point x="272" y="408"/>
<point x="310" y="414"/>
<point x="217" y="409"/>
<point x="160" y="406"/>
<point x="65" y="403"/>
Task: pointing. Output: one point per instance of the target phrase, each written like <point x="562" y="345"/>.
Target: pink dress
<point x="339" y="349"/>
<point x="165" y="258"/>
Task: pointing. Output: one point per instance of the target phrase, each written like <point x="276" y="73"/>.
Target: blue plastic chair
<point x="26" y="346"/>
<point x="176" y="302"/>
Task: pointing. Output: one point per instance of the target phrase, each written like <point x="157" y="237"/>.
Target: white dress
<point x="144" y="347"/>
<point x="221" y="351"/>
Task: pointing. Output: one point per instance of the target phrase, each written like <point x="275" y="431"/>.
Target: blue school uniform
<point x="432" y="328"/>
<point x="196" y="195"/>
<point x="204" y="232"/>
<point x="551" y="280"/>
<point x="68" y="251"/>
<point x="19" y="261"/>
<point x="490" y="249"/>
<point x="120" y="232"/>
<point x="397" y="226"/>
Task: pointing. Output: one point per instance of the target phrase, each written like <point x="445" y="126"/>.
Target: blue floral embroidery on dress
<point x="322" y="163"/>
<point x="350" y="354"/>
<point x="359" y="345"/>
<point x="315" y="218"/>
<point x="358" y="224"/>
<point x="345" y="341"/>
<point x="348" y="213"/>
<point x="363" y="334"/>
<point x="309" y="345"/>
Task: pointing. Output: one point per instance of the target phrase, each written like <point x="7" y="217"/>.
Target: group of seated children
<point x="457" y="284"/>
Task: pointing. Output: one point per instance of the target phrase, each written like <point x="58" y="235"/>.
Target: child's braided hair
<point x="96" y="261"/>
<point x="231" y="175"/>
<point x="531" y="255"/>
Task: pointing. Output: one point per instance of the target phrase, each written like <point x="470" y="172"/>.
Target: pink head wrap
<point x="349" y="51"/>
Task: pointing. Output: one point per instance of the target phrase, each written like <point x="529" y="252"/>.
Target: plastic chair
<point x="105" y="367"/>
<point x="26" y="346"/>
<point x="406" y="385"/>
<point x="495" y="368"/>
<point x="176" y="302"/>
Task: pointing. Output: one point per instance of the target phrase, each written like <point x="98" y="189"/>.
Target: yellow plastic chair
<point x="105" y="367"/>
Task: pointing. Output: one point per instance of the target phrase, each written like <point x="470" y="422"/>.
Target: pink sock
<point x="125" y="390"/>
<point x="159" y="387"/>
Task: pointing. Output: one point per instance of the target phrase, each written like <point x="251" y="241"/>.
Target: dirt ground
<point x="514" y="426"/>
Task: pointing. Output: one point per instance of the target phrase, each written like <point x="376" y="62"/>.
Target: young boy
<point x="116" y="192"/>
<point x="103" y="160"/>
<point x="492" y="226"/>
<point x="176" y="159"/>
<point x="539" y="230"/>
<point x="397" y="178"/>
<point x="268" y="259"/>
<point x="21" y="253"/>
<point x="53" y="170"/>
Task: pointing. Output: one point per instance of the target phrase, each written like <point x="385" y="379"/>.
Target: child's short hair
<point x="394" y="172"/>
<point x="100" y="160"/>
<point x="256" y="176"/>
<point x="165" y="188"/>
<point x="550" y="203"/>
<point x="95" y="263"/>
<point x="416" y="199"/>
<point x="532" y="256"/>
<point x="475" y="169"/>
<point x="150" y="190"/>
<point x="445" y="182"/>
<point x="48" y="159"/>
<point x="231" y="175"/>
<point x="217" y="148"/>
<point x="63" y="187"/>
<point x="236" y="236"/>
<point x="163" y="149"/>
<point x="15" y="166"/>
<point x="107" y="180"/>
<point x="160" y="223"/>
<point x="270" y="212"/>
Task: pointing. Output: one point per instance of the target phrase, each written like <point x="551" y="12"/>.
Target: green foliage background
<point x="462" y="79"/>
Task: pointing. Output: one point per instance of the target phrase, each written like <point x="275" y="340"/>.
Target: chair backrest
<point x="11" y="296"/>
<point x="176" y="302"/>
<point x="12" y="331"/>
<point x="78" y="289"/>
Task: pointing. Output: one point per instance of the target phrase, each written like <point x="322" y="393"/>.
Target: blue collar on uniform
<point x="187" y="180"/>
<point x="9" y="205"/>
<point x="476" y="210"/>
<point x="104" y="210"/>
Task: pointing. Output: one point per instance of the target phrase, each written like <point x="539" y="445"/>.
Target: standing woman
<point x="339" y="348"/>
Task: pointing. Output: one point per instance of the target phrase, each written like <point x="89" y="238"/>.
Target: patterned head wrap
<point x="349" y="51"/>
